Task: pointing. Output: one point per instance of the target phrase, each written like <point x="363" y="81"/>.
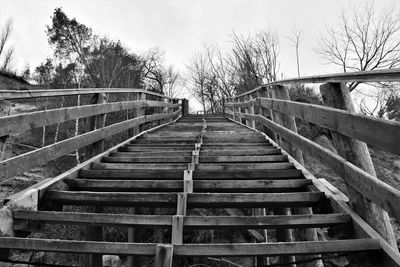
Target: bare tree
<point x="172" y="82"/>
<point x="254" y="59"/>
<point x="198" y="78"/>
<point x="6" y="52"/>
<point x="364" y="40"/>
<point x="296" y="40"/>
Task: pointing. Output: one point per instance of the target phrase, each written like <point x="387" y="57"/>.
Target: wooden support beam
<point x="177" y="229"/>
<point x="181" y="204"/>
<point x="338" y="96"/>
<point x="164" y="255"/>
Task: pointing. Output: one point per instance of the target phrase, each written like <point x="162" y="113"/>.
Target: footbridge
<point x="162" y="187"/>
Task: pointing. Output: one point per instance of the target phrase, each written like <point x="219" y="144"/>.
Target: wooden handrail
<point x="21" y="94"/>
<point x="390" y="75"/>
<point x="27" y="121"/>
<point x="380" y="133"/>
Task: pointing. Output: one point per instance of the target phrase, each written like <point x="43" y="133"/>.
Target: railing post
<point x="141" y="111"/>
<point x="251" y="111"/>
<point x="96" y="122"/>
<point x="185" y="107"/>
<point x="337" y="95"/>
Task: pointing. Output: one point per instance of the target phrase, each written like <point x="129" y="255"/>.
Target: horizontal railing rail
<point x="21" y="94"/>
<point x="391" y="75"/>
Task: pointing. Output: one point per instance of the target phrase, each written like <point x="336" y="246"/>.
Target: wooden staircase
<point x="196" y="174"/>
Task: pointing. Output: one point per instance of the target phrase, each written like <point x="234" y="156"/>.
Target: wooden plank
<point x="54" y="217"/>
<point x="176" y="159"/>
<point x="138" y="166"/>
<point x="177" y="229"/>
<point x="21" y="163"/>
<point x="239" y="152"/>
<point x="287" y="185"/>
<point x="111" y="198"/>
<point x="276" y="249"/>
<point x="186" y="153"/>
<point x="380" y="133"/>
<point x="132" y="174"/>
<point x="27" y="121"/>
<point x="266" y="222"/>
<point x="155" y="149"/>
<point x="248" y="174"/>
<point x="124" y="185"/>
<point x="199" y="185"/>
<point x="357" y="76"/>
<point x="243" y="166"/>
<point x="377" y="191"/>
<point x="164" y="255"/>
<point x="78" y="247"/>
<point x="250" y="200"/>
<point x="18" y="94"/>
<point x="245" y="158"/>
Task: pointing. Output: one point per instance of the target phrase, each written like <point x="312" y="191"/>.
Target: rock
<point x="111" y="261"/>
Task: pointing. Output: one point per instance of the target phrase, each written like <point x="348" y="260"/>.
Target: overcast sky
<point x="180" y="27"/>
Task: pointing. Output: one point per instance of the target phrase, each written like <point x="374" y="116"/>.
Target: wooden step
<point x="132" y="174"/>
<point x="156" y="149"/>
<point x="140" y="166"/>
<point x="194" y="200"/>
<point x="226" y="145"/>
<point x="254" y="200"/>
<point x="240" y="152"/>
<point x="120" y="199"/>
<point x="292" y="185"/>
<point x="191" y="222"/>
<point x="249" y="174"/>
<point x="170" y="159"/>
<point x="244" y="166"/>
<point x="192" y="250"/>
<point x="274" y="158"/>
<point x="186" y="153"/>
<point x="276" y="249"/>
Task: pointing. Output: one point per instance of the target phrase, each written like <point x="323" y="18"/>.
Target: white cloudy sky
<point x="180" y="27"/>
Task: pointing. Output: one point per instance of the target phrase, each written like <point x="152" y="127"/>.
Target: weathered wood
<point x="199" y="250"/>
<point x="164" y="255"/>
<point x="374" y="131"/>
<point x="357" y="76"/>
<point x="78" y="247"/>
<point x="138" y="166"/>
<point x="177" y="229"/>
<point x="133" y="174"/>
<point x="276" y="249"/>
<point x="112" y="199"/>
<point x="248" y="174"/>
<point x="356" y="152"/>
<point x="28" y="121"/>
<point x="244" y="166"/>
<point x="251" y="200"/>
<point x="18" y="94"/>
<point x="53" y="217"/>
<point x="288" y="185"/>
